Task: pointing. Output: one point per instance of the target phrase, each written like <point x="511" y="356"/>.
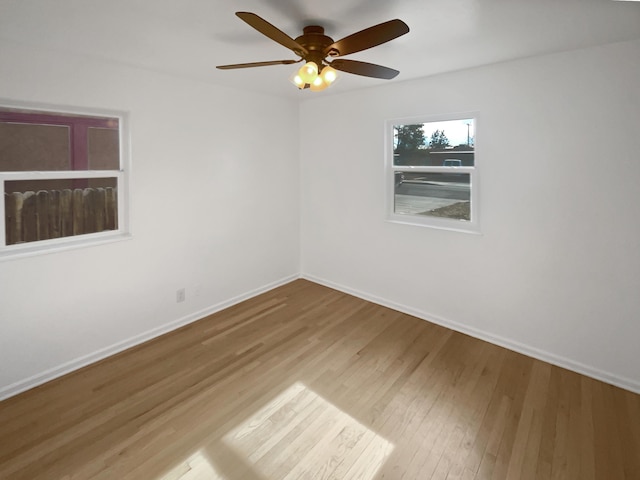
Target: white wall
<point x="214" y="199"/>
<point x="554" y="274"/>
<point x="556" y="271"/>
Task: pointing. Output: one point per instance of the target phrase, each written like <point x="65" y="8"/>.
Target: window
<point x="63" y="179"/>
<point x="432" y="172"/>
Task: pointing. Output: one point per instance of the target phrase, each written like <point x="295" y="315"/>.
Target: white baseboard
<point x="68" y="367"/>
<point x="618" y="381"/>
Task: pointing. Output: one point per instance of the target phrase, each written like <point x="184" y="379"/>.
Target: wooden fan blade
<point x="272" y="32"/>
<point x="256" y="64"/>
<point x="365" y="69"/>
<point x="367" y="38"/>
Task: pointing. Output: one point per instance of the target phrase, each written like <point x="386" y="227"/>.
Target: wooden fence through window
<point x="47" y="214"/>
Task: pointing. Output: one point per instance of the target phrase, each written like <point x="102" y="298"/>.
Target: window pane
<point x="44" y="141"/>
<point x="46" y="209"/>
<point x="103" y="148"/>
<point x="445" y="195"/>
<point x="435" y="144"/>
<point x="32" y="147"/>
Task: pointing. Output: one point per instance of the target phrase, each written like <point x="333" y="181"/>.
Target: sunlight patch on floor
<point x="297" y="435"/>
<point x="300" y="433"/>
<point x="196" y="467"/>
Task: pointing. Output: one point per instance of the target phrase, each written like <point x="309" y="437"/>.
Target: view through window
<point x="61" y="175"/>
<point x="433" y="173"/>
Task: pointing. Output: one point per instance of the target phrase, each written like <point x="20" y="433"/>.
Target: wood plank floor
<point x="307" y="382"/>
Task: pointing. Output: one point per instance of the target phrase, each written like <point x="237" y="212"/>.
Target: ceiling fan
<point x="314" y="47"/>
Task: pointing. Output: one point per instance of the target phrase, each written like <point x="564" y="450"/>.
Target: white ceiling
<point x="190" y="37"/>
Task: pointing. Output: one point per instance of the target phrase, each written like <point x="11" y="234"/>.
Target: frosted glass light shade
<point x="318" y="84"/>
<point x="296" y="80"/>
<point x="329" y="75"/>
<point x="308" y="72"/>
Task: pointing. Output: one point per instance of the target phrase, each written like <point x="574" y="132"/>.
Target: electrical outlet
<point x="180" y="295"/>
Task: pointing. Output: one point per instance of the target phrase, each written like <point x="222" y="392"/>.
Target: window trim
<point x="122" y="175"/>
<point x="471" y="226"/>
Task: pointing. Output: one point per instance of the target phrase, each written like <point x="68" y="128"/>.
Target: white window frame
<point x="122" y="175"/>
<point x="466" y="226"/>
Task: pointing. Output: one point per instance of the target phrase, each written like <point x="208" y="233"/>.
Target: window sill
<point x="43" y="247"/>
<point x="436" y="223"/>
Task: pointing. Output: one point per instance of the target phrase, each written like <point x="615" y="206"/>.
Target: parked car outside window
<point x="452" y="162"/>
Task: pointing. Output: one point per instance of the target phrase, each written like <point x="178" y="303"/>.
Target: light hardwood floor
<point x="307" y="382"/>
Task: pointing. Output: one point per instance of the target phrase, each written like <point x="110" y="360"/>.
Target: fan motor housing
<point x="316" y="42"/>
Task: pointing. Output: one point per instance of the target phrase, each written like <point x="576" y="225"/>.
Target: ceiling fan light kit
<point x="314" y="47"/>
<point x="309" y="77"/>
